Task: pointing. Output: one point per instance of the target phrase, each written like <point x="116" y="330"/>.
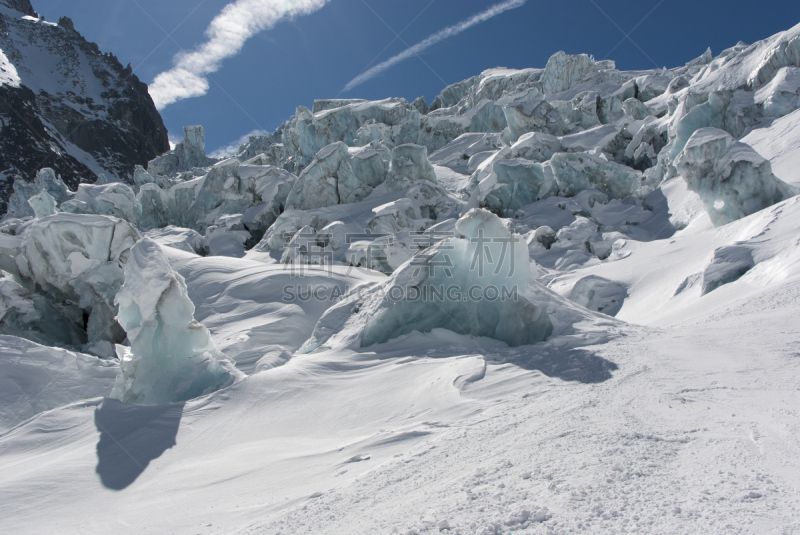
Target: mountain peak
<point x="23" y="6"/>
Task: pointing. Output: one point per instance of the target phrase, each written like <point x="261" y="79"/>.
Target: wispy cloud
<point x="226" y="35"/>
<point x="233" y="147"/>
<point x="450" y="31"/>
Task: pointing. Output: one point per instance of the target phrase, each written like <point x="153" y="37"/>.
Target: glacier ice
<point x="35" y="378"/>
<point x="581" y="171"/>
<point x="43" y="205"/>
<point x="516" y="183"/>
<point x="186" y="155"/>
<point x="487" y="259"/>
<point x="409" y="164"/>
<point x="31" y="316"/>
<point x="172" y="356"/>
<point x="732" y="179"/>
<point x="79" y="259"/>
<point x="114" y="199"/>
<point x="45" y="180"/>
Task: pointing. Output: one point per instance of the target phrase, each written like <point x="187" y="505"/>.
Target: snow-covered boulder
<point x="172" y="356"/>
<point x="732" y="179"/>
<point x="599" y="294"/>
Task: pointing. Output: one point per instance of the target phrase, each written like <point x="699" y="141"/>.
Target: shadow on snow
<point x="130" y="437"/>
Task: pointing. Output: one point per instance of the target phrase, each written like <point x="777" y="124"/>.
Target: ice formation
<point x="732" y="179"/>
<point x="579" y="161"/>
<point x="171" y="356"/>
<point x="78" y="260"/>
<point x="434" y="291"/>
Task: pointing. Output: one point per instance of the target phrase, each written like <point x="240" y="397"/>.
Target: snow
<point x="779" y="142"/>
<point x="35" y="379"/>
<point x="8" y="73"/>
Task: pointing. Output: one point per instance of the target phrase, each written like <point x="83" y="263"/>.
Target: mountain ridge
<point x="67" y="105"/>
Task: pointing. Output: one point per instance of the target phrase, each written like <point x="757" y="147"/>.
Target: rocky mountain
<point x="66" y="105"/>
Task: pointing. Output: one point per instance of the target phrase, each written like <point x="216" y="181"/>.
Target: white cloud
<point x="233" y="147"/>
<point x="226" y="35"/>
<point x="450" y="31"/>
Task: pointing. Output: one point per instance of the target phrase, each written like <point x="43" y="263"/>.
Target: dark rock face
<point x="78" y="110"/>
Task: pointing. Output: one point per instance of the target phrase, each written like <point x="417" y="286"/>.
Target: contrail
<point x="450" y="31"/>
<point x="237" y="22"/>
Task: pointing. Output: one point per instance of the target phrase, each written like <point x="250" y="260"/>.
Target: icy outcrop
<point x="460" y="153"/>
<point x="33" y="317"/>
<point x="599" y="294"/>
<point x="581" y="171"/>
<point x="79" y="259"/>
<point x="514" y="184"/>
<point x="46" y="180"/>
<point x="334" y="178"/>
<point x="172" y="357"/>
<point x="186" y="155"/>
<point x="115" y="199"/>
<point x="409" y="164"/>
<point x="564" y="71"/>
<point x="183" y="239"/>
<point x="488" y="260"/>
<point x="534" y="115"/>
<point x="43" y="205"/>
<point x="732" y="179"/>
<point x="780" y="96"/>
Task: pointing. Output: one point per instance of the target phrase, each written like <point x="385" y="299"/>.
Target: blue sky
<point x="315" y="55"/>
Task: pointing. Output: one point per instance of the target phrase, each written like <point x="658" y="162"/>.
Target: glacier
<point x="564" y="291"/>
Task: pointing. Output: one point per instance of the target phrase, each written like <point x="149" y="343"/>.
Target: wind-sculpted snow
<point x="171" y="356"/>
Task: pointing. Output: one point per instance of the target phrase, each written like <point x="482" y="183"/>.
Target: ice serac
<point x="186" y="155"/>
<point x="78" y="259"/>
<point x="488" y="261"/>
<point x="172" y="356"/>
<point x="733" y="180"/>
<point x="409" y="164"/>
